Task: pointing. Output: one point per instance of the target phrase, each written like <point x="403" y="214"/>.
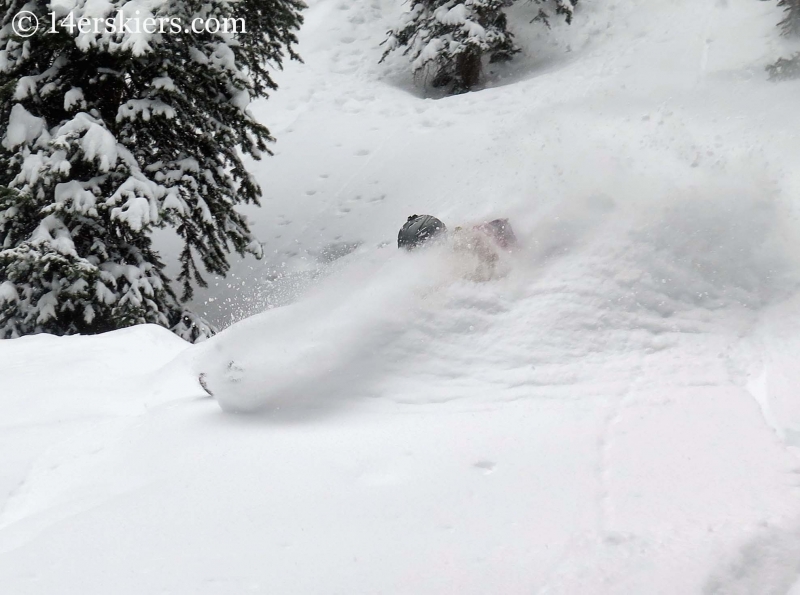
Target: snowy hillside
<point x="618" y="414"/>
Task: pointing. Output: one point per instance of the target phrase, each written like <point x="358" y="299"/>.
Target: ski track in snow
<point x="617" y="414"/>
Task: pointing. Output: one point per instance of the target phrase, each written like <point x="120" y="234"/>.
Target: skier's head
<point x="418" y="230"/>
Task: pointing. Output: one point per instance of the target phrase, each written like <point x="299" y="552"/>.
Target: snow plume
<point x="327" y="347"/>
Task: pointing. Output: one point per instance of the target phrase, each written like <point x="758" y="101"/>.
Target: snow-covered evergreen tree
<point x="790" y="25"/>
<point x="560" y="7"/>
<point x="107" y="134"/>
<point x="447" y="39"/>
<point x="788" y="68"/>
<point x="785" y="68"/>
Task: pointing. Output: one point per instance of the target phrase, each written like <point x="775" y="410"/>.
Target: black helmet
<point x="418" y="230"/>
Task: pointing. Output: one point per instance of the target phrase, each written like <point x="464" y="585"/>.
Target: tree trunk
<point x="468" y="71"/>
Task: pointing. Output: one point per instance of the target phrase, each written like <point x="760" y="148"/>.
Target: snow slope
<point x="618" y="414"/>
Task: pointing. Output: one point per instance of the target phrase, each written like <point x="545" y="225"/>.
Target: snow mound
<point x="133" y="357"/>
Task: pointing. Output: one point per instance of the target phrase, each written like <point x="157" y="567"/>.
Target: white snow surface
<point x="617" y="414"/>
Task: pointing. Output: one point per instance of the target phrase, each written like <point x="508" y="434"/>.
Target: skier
<point x="418" y="229"/>
<point x="482" y="242"/>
